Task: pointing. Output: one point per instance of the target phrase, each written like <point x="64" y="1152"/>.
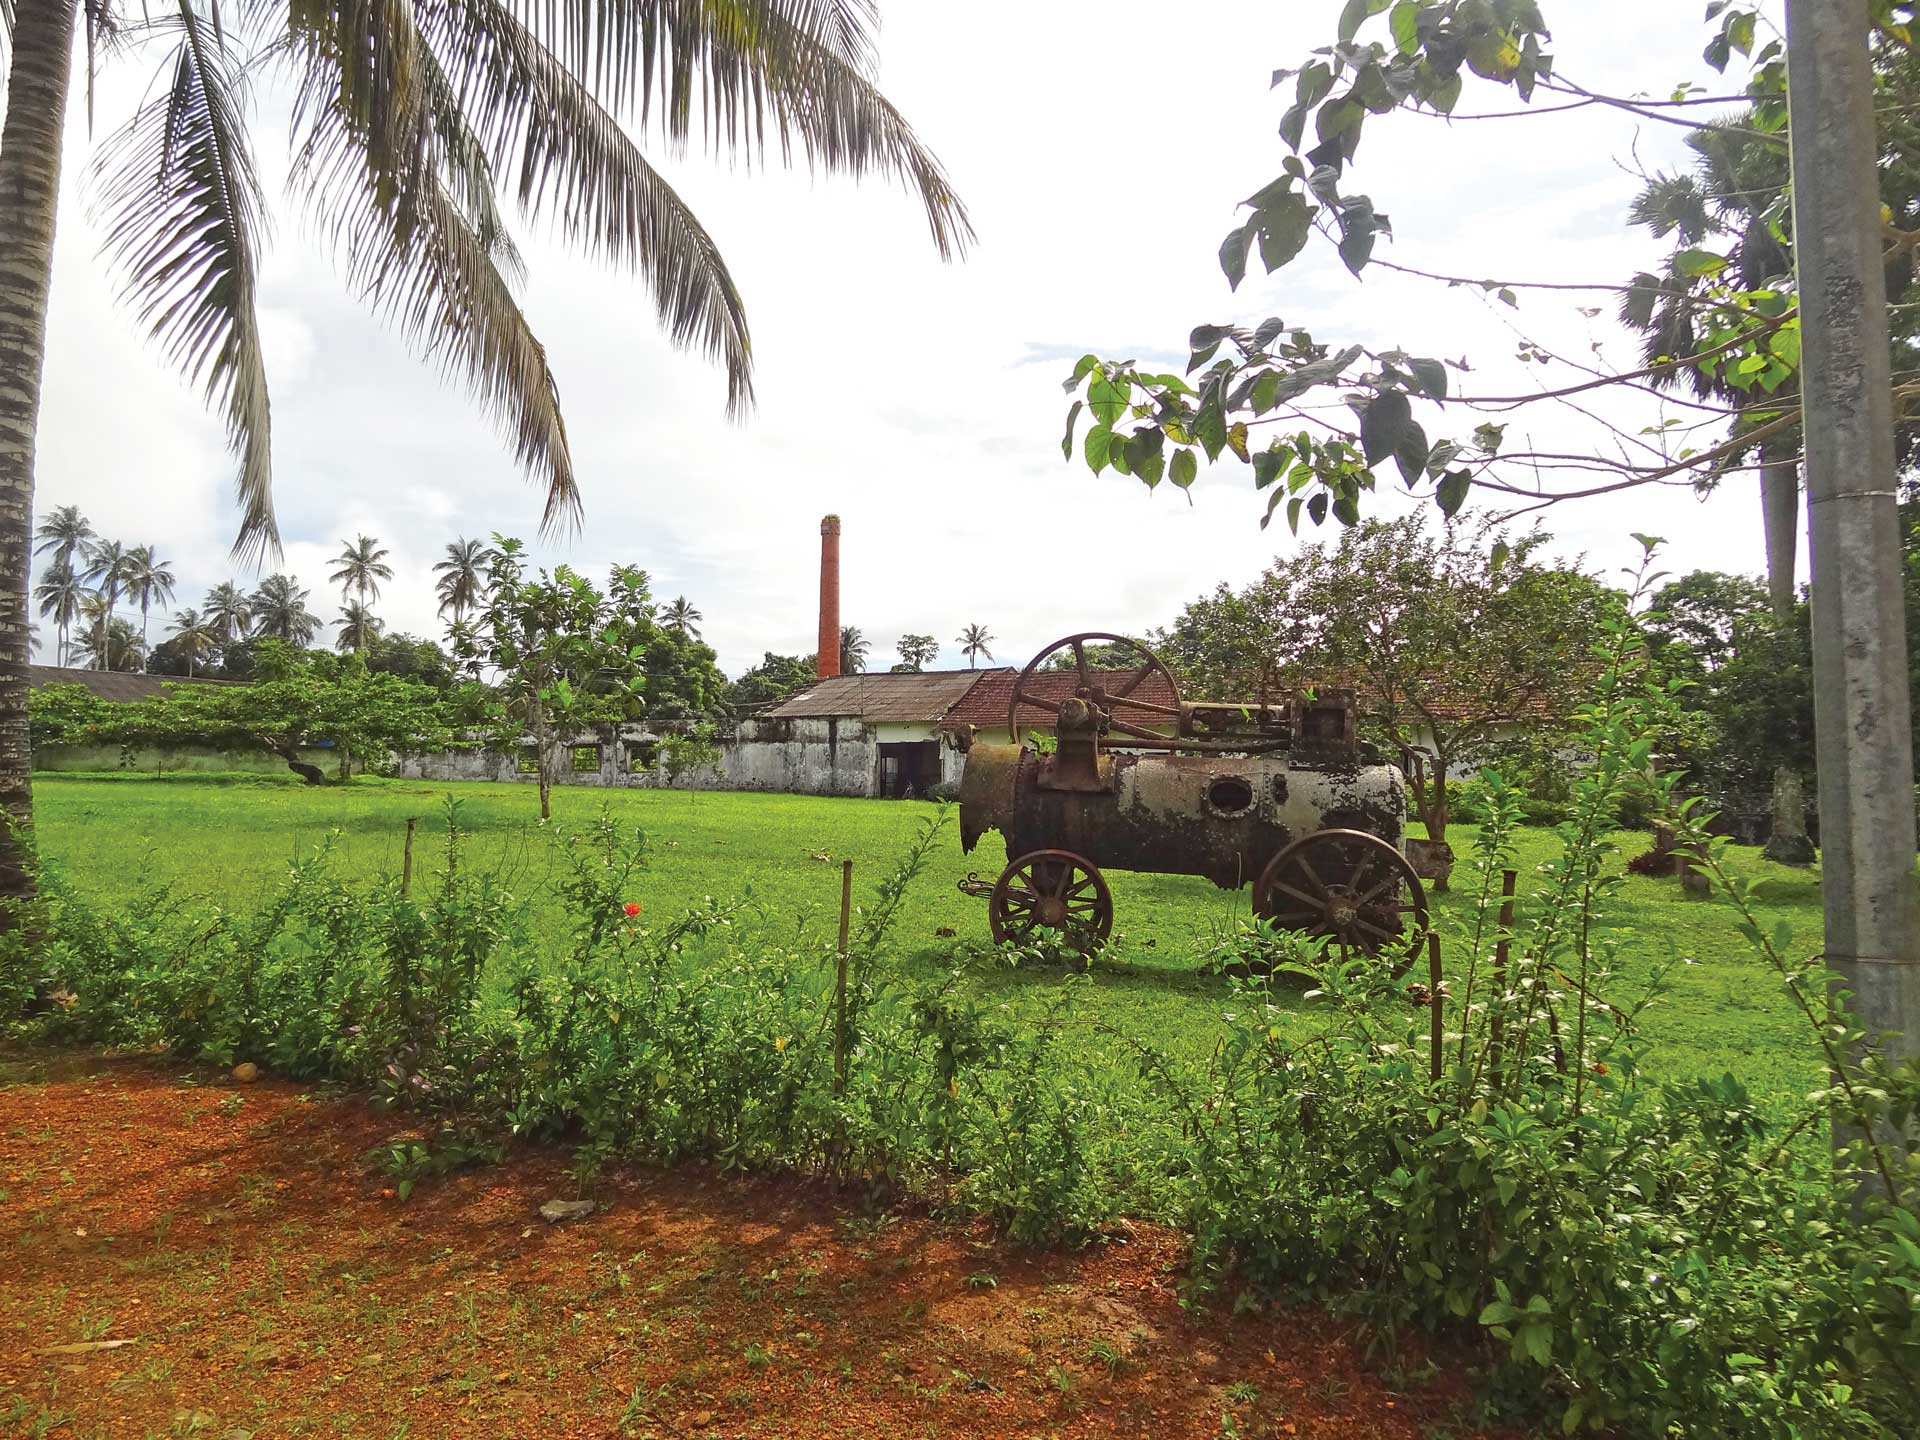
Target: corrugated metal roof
<point x="911" y="698"/>
<point x="118" y="685"/>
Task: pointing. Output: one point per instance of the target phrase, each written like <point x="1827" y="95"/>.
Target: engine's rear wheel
<point x="1353" y="889"/>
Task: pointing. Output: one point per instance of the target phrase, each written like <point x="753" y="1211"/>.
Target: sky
<point x="1101" y="152"/>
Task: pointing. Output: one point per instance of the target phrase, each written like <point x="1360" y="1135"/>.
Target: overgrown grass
<point x="232" y="838"/>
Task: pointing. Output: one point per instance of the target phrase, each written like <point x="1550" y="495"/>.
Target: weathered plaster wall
<point x="838" y="756"/>
<point x="174" y="760"/>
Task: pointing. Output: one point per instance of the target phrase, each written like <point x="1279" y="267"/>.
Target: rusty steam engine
<point x="1282" y="796"/>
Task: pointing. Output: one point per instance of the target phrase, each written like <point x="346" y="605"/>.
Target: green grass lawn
<point x="232" y="837"/>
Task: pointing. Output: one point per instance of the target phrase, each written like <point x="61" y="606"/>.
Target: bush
<point x="1646" y="1259"/>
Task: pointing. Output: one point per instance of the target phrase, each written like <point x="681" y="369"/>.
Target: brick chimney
<point x="827" y="658"/>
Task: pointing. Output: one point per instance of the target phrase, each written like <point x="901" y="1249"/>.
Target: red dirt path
<point x="271" y="1285"/>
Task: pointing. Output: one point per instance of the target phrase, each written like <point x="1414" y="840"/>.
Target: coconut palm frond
<point x="796" y="71"/>
<point x="184" y="215"/>
<point x="570" y="155"/>
<point x="375" y="174"/>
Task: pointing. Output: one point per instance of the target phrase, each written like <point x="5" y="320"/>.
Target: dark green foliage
<point x="774" y="679"/>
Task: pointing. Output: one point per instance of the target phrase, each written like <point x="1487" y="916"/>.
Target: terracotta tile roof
<point x="985" y="706"/>
<point x="116" y="685"/>
<point x="1450" y="700"/>
<point x="922" y="698"/>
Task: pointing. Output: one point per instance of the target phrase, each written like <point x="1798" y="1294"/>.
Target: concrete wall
<point x="834" y="756"/>
<point x="174" y="760"/>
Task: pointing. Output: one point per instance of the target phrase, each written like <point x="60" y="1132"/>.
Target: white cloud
<point x="1101" y="154"/>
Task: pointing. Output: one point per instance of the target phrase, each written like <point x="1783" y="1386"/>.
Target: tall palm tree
<point x="61" y="595"/>
<point x="62" y="534"/>
<point x="360" y="567"/>
<point x="403" y="116"/>
<point x="229" y="610"/>
<point x="853" y="650"/>
<point x="973" y="642"/>
<point x="194" y="636"/>
<point x="149" y="582"/>
<point x="359" y="627"/>
<point x="1723" y="202"/>
<point x="462" y="583"/>
<point x="280" y="611"/>
<point x="681" y="618"/>
<point x="107" y="564"/>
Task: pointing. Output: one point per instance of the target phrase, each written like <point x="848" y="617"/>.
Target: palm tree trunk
<point x="29" y="190"/>
<point x="1780" y="509"/>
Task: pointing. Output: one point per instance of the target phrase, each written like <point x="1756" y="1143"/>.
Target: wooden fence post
<point x="840" y="981"/>
<point x="1433" y="999"/>
<point x="1497" y="1022"/>
<point x="406" y="861"/>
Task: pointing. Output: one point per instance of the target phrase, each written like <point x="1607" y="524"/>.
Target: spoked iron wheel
<point x="1353" y="889"/>
<point x="1052" y="890"/>
<point x="1131" y="719"/>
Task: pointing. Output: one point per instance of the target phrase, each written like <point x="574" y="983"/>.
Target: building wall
<point x="174" y="760"/>
<point x="833" y="756"/>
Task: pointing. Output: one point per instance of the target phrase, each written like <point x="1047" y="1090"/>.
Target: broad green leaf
<point x="1106" y="401"/>
<point x="1451" y="493"/>
<point x="1405" y="22"/>
<point x="1098" y="442"/>
<point x="1696" y="262"/>
<point x="1432" y="375"/>
<point x="1387" y="416"/>
<point x="1266" y="392"/>
<point x="1233" y="254"/>
<point x="1073" y="417"/>
<point x="1184" y="468"/>
<point x="1284" y="227"/>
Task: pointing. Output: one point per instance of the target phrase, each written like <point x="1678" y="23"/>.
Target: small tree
<point x="685" y="752"/>
<point x="294" y="705"/>
<point x="565" y="655"/>
<point x="1452" y="637"/>
<point x="916" y="652"/>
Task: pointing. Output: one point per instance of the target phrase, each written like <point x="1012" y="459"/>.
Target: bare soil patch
<point x="271" y="1284"/>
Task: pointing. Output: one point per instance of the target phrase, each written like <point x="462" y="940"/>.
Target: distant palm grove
<point x="104" y="605"/>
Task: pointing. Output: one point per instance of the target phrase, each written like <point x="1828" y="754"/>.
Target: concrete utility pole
<point x="1862" y="727"/>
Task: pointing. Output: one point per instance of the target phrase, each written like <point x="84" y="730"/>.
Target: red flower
<point x="632" y="908"/>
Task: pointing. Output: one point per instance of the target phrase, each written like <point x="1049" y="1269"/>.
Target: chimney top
<point x="830" y="525"/>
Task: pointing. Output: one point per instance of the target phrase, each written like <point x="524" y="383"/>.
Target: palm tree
<point x="1725" y="199"/>
<point x="108" y="565"/>
<point x="362" y="565"/>
<point x="280" y="611"/>
<point x="61" y="534"/>
<point x="359" y="627"/>
<point x="194" y="636"/>
<point x="853" y="650"/>
<point x="681" y="618"/>
<point x="973" y="641"/>
<point x="462" y="583"/>
<point x="149" y="582"/>
<point x="229" y="610"/>
<point x="110" y="643"/>
<point x="403" y="116"/>
<point x="61" y="596"/>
